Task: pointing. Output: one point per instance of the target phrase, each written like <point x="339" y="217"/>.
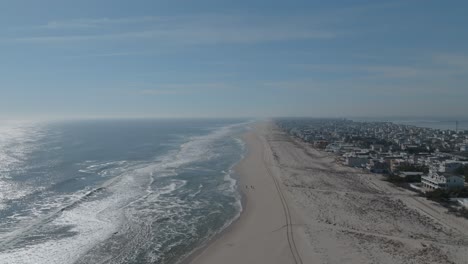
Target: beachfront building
<point x="438" y="180"/>
<point x="396" y="163"/>
<point x="378" y="147"/>
<point x="321" y="144"/>
<point x="378" y="166"/>
<point x="464" y="148"/>
<point x="333" y="147"/>
<point x="357" y="161"/>
<point x="450" y="166"/>
<point x="410" y="174"/>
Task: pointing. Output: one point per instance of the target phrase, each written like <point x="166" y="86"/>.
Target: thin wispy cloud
<point x="181" y="88"/>
<point x="435" y="66"/>
<point x="83" y="23"/>
<point x="366" y="87"/>
<point x="439" y="74"/>
<point x="209" y="29"/>
<point x="458" y="61"/>
<point x="115" y="54"/>
<point x="161" y="92"/>
<point x="387" y="71"/>
<point x="295" y="85"/>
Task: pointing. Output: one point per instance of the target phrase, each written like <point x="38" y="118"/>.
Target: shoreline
<point x="260" y="234"/>
<point x="191" y="256"/>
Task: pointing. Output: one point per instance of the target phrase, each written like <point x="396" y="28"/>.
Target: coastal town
<point x="423" y="159"/>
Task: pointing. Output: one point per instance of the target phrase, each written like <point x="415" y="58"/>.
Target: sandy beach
<point x="263" y="233"/>
<point x="303" y="207"/>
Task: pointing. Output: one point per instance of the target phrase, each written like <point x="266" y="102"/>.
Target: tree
<point x="438" y="195"/>
<point x="463" y="171"/>
<point x="411" y="167"/>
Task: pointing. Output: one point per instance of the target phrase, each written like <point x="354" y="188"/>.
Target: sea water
<point x="115" y="191"/>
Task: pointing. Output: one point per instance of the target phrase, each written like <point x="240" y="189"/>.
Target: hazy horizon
<point x="206" y="59"/>
<point x="393" y="119"/>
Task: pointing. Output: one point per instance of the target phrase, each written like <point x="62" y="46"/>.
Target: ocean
<point x="115" y="191"/>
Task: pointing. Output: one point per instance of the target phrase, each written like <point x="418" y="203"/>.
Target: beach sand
<point x="260" y="235"/>
<point x="302" y="207"/>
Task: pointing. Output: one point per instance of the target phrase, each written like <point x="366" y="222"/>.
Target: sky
<point x="212" y="58"/>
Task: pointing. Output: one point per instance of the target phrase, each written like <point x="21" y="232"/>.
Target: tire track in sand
<point x="289" y="231"/>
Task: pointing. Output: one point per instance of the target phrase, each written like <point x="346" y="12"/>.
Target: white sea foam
<point x="10" y="190"/>
<point x="89" y="231"/>
<point x="92" y="221"/>
<point x="105" y="169"/>
<point x="198" y="191"/>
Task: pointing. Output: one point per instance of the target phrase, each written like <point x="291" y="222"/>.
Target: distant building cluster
<point x="431" y="158"/>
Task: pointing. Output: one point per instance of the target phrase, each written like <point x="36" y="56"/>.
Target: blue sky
<point x="233" y="58"/>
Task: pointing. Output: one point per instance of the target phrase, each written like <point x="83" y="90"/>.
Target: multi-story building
<point x="438" y="180"/>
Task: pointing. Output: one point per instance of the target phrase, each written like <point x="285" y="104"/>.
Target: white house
<point x="437" y="180"/>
